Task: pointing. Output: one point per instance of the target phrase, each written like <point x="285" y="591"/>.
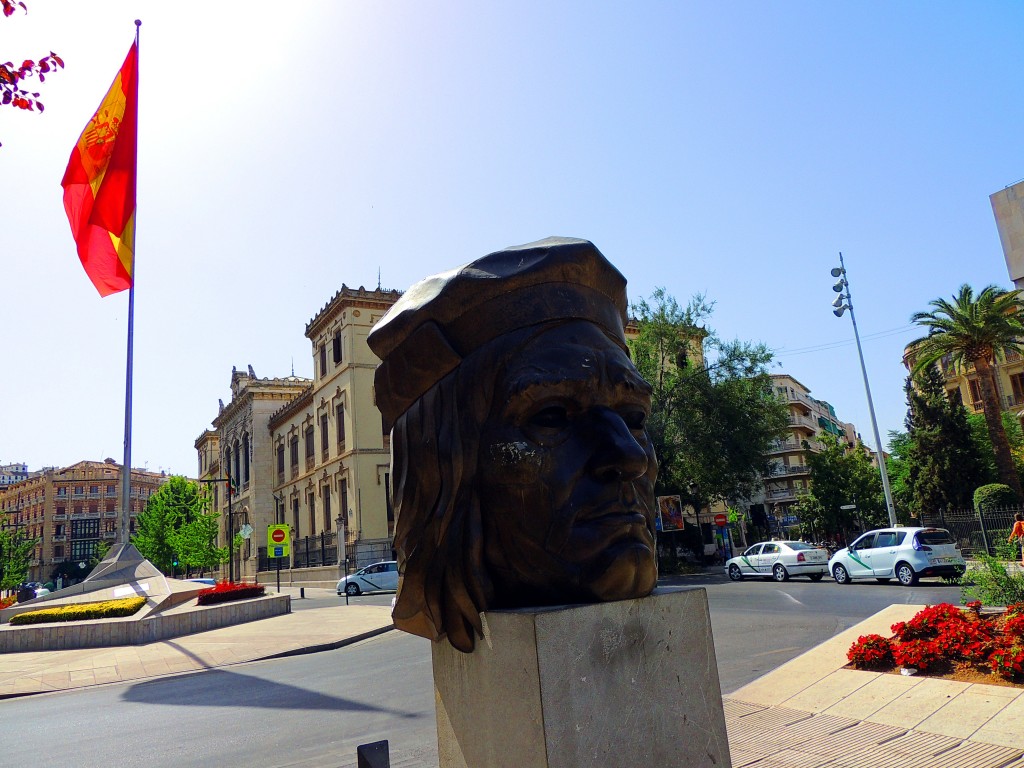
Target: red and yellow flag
<point x="99" y="184"/>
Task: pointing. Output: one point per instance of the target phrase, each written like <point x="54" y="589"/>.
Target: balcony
<point x="61" y="537"/>
<point x="110" y="514"/>
<point x="110" y="534"/>
<point x="784" y="495"/>
<point x="795" y="469"/>
<point x="60" y="516"/>
<point x="802" y="421"/>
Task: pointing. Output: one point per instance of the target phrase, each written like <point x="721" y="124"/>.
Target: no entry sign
<point x="721" y="520"/>
<point x="278" y="541"/>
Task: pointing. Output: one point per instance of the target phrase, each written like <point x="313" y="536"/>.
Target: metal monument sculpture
<point x="523" y="472"/>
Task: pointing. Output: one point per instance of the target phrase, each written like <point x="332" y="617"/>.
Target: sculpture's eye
<point x="636" y="419"/>
<point x="551" y="417"/>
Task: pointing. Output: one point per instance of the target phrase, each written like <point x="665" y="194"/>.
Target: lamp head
<point x="838" y="302"/>
<point x="837" y="271"/>
<point x="839" y="312"/>
<point x="838" y="287"/>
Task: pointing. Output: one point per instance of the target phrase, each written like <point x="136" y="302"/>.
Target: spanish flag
<point x="99" y="184"/>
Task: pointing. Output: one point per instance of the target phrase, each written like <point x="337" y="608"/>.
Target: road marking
<point x="789" y="596"/>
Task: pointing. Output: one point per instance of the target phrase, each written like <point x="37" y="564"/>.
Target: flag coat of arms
<point x="99" y="184"/>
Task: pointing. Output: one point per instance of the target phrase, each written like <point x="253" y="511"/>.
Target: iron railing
<point x="975" y="531"/>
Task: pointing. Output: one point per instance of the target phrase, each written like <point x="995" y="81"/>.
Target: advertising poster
<point x="671" y="513"/>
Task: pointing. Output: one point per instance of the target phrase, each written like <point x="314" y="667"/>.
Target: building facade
<point x="12" y="473"/>
<point x="963" y="385"/>
<point x="238" y="448"/>
<point x="332" y="457"/>
<point x="309" y="453"/>
<point x="809" y="419"/>
<point x="70" y="510"/>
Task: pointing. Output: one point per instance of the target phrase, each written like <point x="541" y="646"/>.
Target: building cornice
<point x="350" y="297"/>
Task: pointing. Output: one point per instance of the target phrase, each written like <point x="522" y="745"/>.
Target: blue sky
<point x="730" y="148"/>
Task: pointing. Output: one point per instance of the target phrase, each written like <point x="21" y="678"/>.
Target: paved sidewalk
<point x="812" y="713"/>
<point x="304" y="631"/>
<point x="808" y="713"/>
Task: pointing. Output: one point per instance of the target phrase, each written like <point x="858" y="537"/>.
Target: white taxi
<point x="779" y="560"/>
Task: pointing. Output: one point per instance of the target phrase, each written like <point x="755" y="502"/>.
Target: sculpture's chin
<point x="632" y="572"/>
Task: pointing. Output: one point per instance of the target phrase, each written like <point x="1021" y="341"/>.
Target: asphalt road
<point x="314" y="710"/>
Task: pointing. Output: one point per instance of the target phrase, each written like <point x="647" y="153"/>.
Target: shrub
<point x="1007" y="660"/>
<point x="919" y="654"/>
<point x="226" y="591"/>
<point x="991" y="583"/>
<point x="106" y="609"/>
<point x="870" y="652"/>
<point x="7" y="602"/>
<point x="994" y="495"/>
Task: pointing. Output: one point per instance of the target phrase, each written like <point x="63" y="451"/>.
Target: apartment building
<point x="964" y="385"/>
<point x="70" y="510"/>
<point x="809" y="418"/>
<point x="12" y="473"/>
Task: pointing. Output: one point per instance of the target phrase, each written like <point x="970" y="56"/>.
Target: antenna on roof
<point x="378" y="278"/>
<point x="293" y="365"/>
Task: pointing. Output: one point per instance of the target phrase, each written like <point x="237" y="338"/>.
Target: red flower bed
<point x="225" y="591"/>
<point x="942" y="638"/>
<point x="7" y="602"/>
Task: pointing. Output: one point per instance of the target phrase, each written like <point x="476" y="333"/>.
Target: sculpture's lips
<point x="614" y="512"/>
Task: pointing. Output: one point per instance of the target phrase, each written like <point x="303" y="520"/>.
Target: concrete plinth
<point x="623" y="684"/>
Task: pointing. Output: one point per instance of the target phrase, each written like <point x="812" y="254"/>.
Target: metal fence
<point x="975" y="531"/>
<point x="322" y="549"/>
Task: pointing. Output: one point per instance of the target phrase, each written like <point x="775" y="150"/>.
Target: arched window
<point x="245" y="459"/>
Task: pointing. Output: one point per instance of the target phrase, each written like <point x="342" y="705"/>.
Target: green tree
<point x="840" y="477"/>
<point x="714" y="414"/>
<point x="15" y="554"/>
<point x="176" y="526"/>
<point x="1014" y="437"/>
<point x="971" y="331"/>
<point x="943" y="461"/>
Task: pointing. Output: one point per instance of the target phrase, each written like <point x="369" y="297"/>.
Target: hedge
<point x="107" y="609"/>
<point x="993" y="496"/>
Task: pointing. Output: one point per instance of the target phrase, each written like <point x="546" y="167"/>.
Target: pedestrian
<point x="1017" y="534"/>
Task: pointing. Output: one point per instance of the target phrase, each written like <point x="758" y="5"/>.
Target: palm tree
<point x="972" y="331"/>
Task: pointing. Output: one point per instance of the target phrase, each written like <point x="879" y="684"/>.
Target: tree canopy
<point x="970" y="331"/>
<point x="13" y="76"/>
<point x="714" y="414"/>
<point x="842" y="477"/>
<point x="176" y="528"/>
<point x="15" y="554"/>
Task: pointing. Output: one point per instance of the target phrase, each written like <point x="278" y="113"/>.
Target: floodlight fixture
<point x="839" y="311"/>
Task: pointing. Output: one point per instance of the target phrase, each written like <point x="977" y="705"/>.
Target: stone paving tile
<point x="873" y="696"/>
<point x="744" y="756"/>
<point x="964" y="714"/>
<point x="856" y="737"/>
<point x="972" y="754"/>
<point x="919" y="703"/>
<point x="791" y="758"/>
<point x="1006" y="727"/>
<point x="831" y="690"/>
<point x="920" y="743"/>
<point x="736" y="708"/>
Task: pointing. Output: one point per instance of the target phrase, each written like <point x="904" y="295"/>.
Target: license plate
<point x="943" y="560"/>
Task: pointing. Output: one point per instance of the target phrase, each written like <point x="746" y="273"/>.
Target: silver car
<point x="904" y="554"/>
<point x="779" y="560"/>
<point x="379" y="577"/>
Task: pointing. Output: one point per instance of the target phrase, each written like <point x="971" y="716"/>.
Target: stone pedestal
<point x="622" y="684"/>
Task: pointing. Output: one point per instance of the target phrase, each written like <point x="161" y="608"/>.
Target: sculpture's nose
<point x="617" y="455"/>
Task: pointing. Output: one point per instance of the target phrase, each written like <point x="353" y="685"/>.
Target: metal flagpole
<point x="126" y="467"/>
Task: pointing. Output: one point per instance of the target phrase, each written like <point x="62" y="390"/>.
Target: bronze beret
<point x="443" y="318"/>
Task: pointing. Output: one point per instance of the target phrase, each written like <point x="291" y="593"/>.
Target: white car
<point x="379" y="577"/>
<point x="905" y="554"/>
<point x="779" y="560"/>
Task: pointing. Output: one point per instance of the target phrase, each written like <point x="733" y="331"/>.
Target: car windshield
<point x="934" y="536"/>
<point x="798" y="545"/>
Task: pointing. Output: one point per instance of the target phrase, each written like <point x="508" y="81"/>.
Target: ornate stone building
<point x="309" y="453"/>
<point x="71" y="510"/>
<point x="239" y="447"/>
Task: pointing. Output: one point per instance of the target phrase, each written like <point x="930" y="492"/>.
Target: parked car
<point x="905" y="554"/>
<point x="779" y="560"/>
<point x="379" y="577"/>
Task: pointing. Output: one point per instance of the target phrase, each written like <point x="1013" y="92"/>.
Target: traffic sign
<point x="245" y="531"/>
<point x="721" y="520"/>
<point x="278" y="541"/>
<point x="848" y="506"/>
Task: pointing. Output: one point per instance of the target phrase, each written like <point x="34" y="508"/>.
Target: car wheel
<point x="883" y="581"/>
<point x="779" y="572"/>
<point x="906" y="575"/>
<point x="816" y="576"/>
<point x="840" y="574"/>
<point x="735" y="573"/>
<point x="352" y="589"/>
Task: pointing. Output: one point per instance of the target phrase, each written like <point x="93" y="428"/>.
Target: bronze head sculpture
<point x="523" y="472"/>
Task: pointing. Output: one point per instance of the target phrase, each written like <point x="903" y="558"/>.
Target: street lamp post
<point x="841" y="304"/>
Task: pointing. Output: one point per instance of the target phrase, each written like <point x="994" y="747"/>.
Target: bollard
<point x="302" y="593"/>
<point x="373" y="755"/>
